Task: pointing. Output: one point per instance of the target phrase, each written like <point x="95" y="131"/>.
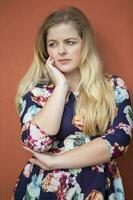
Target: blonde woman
<point x="75" y="119"/>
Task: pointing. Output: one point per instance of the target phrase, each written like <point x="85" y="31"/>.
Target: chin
<point x="64" y="70"/>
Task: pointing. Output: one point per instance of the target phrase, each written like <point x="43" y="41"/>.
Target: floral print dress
<point x="99" y="182"/>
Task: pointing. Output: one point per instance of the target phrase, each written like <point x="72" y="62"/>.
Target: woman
<point x="75" y="119"/>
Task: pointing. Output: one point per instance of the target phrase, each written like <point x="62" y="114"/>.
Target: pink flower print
<point x="57" y="181"/>
<point x="120" y="83"/>
<point x="40" y="100"/>
<point x="27" y="170"/>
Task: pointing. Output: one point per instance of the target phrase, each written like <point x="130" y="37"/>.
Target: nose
<point x="62" y="49"/>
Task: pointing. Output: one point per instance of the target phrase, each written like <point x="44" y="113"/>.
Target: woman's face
<point x="64" y="45"/>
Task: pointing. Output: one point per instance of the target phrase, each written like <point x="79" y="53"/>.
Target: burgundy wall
<point x="112" y="22"/>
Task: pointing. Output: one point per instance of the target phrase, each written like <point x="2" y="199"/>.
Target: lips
<point x="64" y="61"/>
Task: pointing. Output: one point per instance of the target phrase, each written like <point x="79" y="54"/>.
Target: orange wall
<point x="112" y="22"/>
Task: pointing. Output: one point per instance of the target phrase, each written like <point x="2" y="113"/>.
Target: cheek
<point x="51" y="53"/>
<point x="77" y="55"/>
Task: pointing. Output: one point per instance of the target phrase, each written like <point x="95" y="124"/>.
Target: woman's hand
<point x="57" y="77"/>
<point x="44" y="160"/>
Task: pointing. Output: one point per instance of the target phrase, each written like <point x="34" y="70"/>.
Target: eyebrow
<point x="73" y="38"/>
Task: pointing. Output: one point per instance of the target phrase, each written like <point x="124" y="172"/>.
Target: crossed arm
<point x="100" y="150"/>
<point x="89" y="154"/>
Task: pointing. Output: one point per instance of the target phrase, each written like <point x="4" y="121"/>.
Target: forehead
<point x="63" y="30"/>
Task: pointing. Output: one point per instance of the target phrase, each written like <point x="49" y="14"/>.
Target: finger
<point x="30" y="150"/>
<point x="49" y="67"/>
<point x="50" y="62"/>
<point x="58" y="153"/>
<point x="39" y="163"/>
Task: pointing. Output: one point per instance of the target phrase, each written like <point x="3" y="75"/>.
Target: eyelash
<point x="68" y="42"/>
<point x="71" y="42"/>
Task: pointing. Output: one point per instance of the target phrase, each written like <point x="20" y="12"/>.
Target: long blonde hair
<point x="96" y="100"/>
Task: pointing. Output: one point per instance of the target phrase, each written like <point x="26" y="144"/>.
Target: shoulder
<point x="120" y="88"/>
<point x="35" y="99"/>
<point x="39" y="93"/>
<point x="116" y="81"/>
<point x="42" y="89"/>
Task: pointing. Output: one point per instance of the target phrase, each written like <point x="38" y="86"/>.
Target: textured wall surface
<point x="112" y="22"/>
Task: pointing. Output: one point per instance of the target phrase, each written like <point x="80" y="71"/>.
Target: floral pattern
<point x="99" y="182"/>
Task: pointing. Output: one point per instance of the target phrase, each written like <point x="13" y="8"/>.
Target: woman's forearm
<point x="49" y="117"/>
<point x="89" y="154"/>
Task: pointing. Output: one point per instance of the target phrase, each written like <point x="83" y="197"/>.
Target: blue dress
<point x="103" y="181"/>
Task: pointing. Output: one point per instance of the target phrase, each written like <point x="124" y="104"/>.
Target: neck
<point x="74" y="79"/>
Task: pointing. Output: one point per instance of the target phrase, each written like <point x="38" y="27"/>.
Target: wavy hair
<point x="96" y="102"/>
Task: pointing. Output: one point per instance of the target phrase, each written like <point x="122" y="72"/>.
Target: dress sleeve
<point x="31" y="134"/>
<point x="119" y="131"/>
